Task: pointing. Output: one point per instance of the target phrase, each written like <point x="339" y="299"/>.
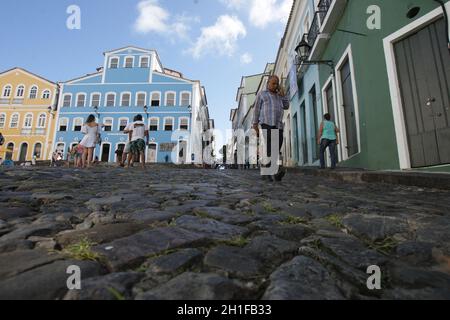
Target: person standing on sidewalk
<point x="138" y="144"/>
<point x="91" y="131"/>
<point x="328" y="138"/>
<point x="269" y="108"/>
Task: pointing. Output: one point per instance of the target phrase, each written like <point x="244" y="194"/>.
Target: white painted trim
<point x="125" y="61"/>
<point x="165" y="98"/>
<point x="119" y="120"/>
<point x="342" y="125"/>
<point x="106" y="99"/>
<point x="25" y="119"/>
<point x="190" y="97"/>
<point x="73" y="81"/>
<point x="112" y="123"/>
<point x="59" y="124"/>
<point x="10" y="92"/>
<point x="175" y="78"/>
<point x="74" y="123"/>
<point x="156" y="156"/>
<point x="38" y="118"/>
<point x="136" y="99"/>
<point x="127" y="49"/>
<point x="5" y="120"/>
<point x="331" y="81"/>
<point x="127" y="83"/>
<point x="127" y="112"/>
<point x="49" y="94"/>
<point x="160" y="98"/>
<point x="101" y="151"/>
<point x="37" y="92"/>
<point x="91" y="99"/>
<point x="20" y="150"/>
<point x="188" y="120"/>
<point x="78" y="98"/>
<point x="150" y="121"/>
<point x="62" y="102"/>
<point x="121" y="99"/>
<point x="110" y="58"/>
<point x="164" y="123"/>
<point x="149" y="61"/>
<point x="56" y="119"/>
<point x="34" y="149"/>
<point x="18" y="120"/>
<point x="394" y="85"/>
<point x="6" y="147"/>
<point x="29" y="75"/>
<point x="17" y="91"/>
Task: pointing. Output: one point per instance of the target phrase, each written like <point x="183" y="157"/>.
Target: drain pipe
<point x="447" y="22"/>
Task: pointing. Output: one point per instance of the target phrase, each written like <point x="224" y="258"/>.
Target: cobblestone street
<point x="175" y="233"/>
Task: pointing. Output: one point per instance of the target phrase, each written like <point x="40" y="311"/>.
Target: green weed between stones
<point x="236" y="242"/>
<point x="268" y="207"/>
<point x="336" y="221"/>
<point x="117" y="295"/>
<point x="82" y="251"/>
<point x="385" y="246"/>
<point x="292" y="220"/>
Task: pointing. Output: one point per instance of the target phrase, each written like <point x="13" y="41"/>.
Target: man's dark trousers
<point x="267" y="136"/>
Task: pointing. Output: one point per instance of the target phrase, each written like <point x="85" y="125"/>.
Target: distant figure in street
<point x="119" y="154"/>
<point x="79" y="156"/>
<point x="71" y="156"/>
<point x="54" y="155"/>
<point x="2" y="139"/>
<point x="91" y="131"/>
<point x="269" y="108"/>
<point x="33" y="160"/>
<point x="129" y="131"/>
<point x="166" y="158"/>
<point x="328" y="138"/>
<point x="138" y="144"/>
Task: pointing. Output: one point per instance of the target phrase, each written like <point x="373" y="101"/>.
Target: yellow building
<point x="27" y="115"/>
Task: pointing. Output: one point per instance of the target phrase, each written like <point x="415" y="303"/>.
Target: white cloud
<point x="261" y="13"/>
<point x="154" y="18"/>
<point x="246" y="58"/>
<point x="220" y="38"/>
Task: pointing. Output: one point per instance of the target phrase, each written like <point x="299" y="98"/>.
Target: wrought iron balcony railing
<point x="319" y="17"/>
<point x="323" y="7"/>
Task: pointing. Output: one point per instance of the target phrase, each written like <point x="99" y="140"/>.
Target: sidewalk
<point x="407" y="178"/>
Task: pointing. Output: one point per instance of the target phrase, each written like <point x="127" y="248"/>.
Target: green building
<point x="390" y="91"/>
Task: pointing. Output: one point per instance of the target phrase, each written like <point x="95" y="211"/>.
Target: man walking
<point x="269" y="108"/>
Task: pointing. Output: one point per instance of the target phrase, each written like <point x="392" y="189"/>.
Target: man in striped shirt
<point x="269" y="108"/>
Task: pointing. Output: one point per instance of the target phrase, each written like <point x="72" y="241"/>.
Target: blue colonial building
<point x="133" y="81"/>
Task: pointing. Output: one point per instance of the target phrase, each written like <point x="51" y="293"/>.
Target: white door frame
<point x="101" y="151"/>
<point x="340" y="102"/>
<point x="156" y="154"/>
<point x="394" y="85"/>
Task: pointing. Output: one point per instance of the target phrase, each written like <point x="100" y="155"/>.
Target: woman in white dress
<point x="91" y="131"/>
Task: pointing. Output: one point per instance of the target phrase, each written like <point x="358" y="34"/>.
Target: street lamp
<point x="303" y="51"/>
<point x="50" y="111"/>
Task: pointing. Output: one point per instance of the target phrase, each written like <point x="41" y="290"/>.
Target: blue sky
<point x="214" y="41"/>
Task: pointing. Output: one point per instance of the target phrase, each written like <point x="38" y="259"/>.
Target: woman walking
<point x="91" y="131"/>
<point x="328" y="138"/>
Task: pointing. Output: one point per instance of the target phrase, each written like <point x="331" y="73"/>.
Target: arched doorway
<point x="152" y="150"/>
<point x="37" y="150"/>
<point x="23" y="152"/>
<point x="106" y="148"/>
<point x="9" y="151"/>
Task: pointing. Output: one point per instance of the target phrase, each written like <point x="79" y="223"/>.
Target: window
<point x="20" y="91"/>
<point x="37" y="150"/>
<point x="28" y="122"/>
<point x="125" y="101"/>
<point x="14" y="121"/>
<point x="154" y="124"/>
<point x="185" y="99"/>
<point x="107" y="124"/>
<point x="95" y="100"/>
<point x="2" y="120"/>
<point x="67" y="100"/>
<point x="129" y="61"/>
<point x="114" y="63"/>
<point x="7" y="91"/>
<point x="184" y="124"/>
<point x="145" y="62"/>
<point x="81" y="100"/>
<point x="123" y="123"/>
<point x="77" y="124"/>
<point x="33" y="92"/>
<point x="110" y="99"/>
<point x="63" y="123"/>
<point x="46" y="94"/>
<point x="170" y="99"/>
<point x="168" y="124"/>
<point x="156" y="99"/>
<point x="141" y="99"/>
<point x="42" y="120"/>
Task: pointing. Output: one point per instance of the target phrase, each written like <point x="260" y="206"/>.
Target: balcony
<point x="4" y="101"/>
<point x="33" y="132"/>
<point x="17" y="101"/>
<point x="324" y="24"/>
